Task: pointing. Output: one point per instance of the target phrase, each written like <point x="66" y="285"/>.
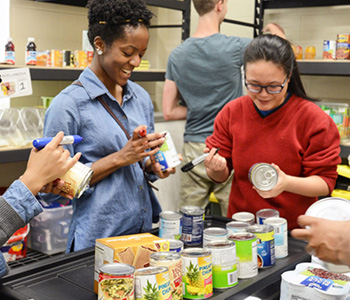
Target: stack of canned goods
<point x="227" y="255"/>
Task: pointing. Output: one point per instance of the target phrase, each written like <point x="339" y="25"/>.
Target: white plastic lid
<point x="331" y="208"/>
<point x="31" y="39"/>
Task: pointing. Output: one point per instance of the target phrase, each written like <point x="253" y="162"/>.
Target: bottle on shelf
<point x="10" y="52"/>
<point x="31" y="52"/>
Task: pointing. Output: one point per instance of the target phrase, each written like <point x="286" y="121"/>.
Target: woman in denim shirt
<point x="119" y="200"/>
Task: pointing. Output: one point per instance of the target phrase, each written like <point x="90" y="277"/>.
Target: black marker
<point x="196" y="161"/>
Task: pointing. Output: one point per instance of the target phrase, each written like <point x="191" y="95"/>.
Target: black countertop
<point x="70" y="276"/>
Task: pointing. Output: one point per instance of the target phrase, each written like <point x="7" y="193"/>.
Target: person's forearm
<point x="106" y="166"/>
<point x="175" y="113"/>
<point x="311" y="186"/>
<point x="218" y="177"/>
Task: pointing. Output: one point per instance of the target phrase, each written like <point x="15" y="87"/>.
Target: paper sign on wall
<point x="15" y="83"/>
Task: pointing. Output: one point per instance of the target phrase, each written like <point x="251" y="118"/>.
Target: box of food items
<point x="134" y="250"/>
<point x="340" y="113"/>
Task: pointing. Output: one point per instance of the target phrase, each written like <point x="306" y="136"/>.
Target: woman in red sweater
<point x="275" y="123"/>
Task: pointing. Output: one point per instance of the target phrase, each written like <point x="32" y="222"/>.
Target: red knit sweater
<point x="298" y="137"/>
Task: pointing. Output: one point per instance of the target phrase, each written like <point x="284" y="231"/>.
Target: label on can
<point x="224" y="264"/>
<point x="197" y="273"/>
<point x="173" y="262"/>
<point x="116" y="281"/>
<point x="265" y="244"/>
<point x="214" y="234"/>
<point x="170" y="225"/>
<point x="192" y="225"/>
<point x="152" y="283"/>
<point x="281" y="235"/>
<point x="343" y="51"/>
<point x="266" y="213"/>
<point x="263" y="176"/>
<point x="246" y="251"/>
<point x="167" y="155"/>
<point x="76" y="179"/>
<point x="236" y="226"/>
<point x="329" y="49"/>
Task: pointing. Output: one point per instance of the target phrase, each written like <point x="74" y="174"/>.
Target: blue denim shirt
<point x="24" y="205"/>
<point x="122" y="203"/>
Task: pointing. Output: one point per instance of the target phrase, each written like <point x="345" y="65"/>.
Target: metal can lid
<point x="267" y="213"/>
<point x="237" y="224"/>
<point x="85" y="183"/>
<point x="195" y="252"/>
<point x="260" y="228"/>
<point x="165" y="256"/>
<point x="243" y="216"/>
<point x="117" y="269"/>
<point x="242" y="236"/>
<point x="220" y="244"/>
<point x="215" y="231"/>
<point x="170" y="215"/>
<point x="192" y="210"/>
<point x="331" y="208"/>
<point x="275" y="221"/>
<point x="151" y="270"/>
<point x="263" y="176"/>
<point x="175" y="244"/>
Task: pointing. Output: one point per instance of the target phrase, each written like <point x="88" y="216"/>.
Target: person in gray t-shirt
<point x="205" y="71"/>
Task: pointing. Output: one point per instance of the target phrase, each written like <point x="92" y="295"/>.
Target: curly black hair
<point x="109" y="18"/>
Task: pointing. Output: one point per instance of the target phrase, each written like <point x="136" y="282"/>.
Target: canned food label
<point x="115" y="287"/>
<point x="155" y="286"/>
<point x="175" y="276"/>
<point x="281" y="240"/>
<point x="167" y="155"/>
<point x="248" y="258"/>
<point x="197" y="277"/>
<point x="192" y="229"/>
<point x="224" y="266"/>
<point x="170" y="229"/>
<point x="266" y="249"/>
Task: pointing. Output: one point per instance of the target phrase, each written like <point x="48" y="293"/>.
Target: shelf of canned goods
<point x="71" y="276"/>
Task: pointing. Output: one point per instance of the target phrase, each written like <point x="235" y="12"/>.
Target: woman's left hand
<point x="278" y="188"/>
<point x="156" y="169"/>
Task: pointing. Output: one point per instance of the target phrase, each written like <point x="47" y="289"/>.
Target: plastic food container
<point x="49" y="230"/>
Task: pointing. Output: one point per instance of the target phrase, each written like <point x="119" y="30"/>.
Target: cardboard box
<point x="132" y="249"/>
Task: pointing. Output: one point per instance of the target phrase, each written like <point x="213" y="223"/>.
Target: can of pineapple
<point x="173" y="261"/>
<point x="197" y="277"/>
<point x="152" y="283"/>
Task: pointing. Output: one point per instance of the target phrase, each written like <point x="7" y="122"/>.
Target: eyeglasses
<point x="271" y="89"/>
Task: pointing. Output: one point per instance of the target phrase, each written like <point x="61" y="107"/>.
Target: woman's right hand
<point x="216" y="165"/>
<point x="135" y="148"/>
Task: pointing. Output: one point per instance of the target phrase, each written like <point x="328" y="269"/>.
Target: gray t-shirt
<point x="207" y="72"/>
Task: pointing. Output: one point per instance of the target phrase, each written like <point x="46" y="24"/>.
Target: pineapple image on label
<point x="152" y="283"/>
<point x="197" y="274"/>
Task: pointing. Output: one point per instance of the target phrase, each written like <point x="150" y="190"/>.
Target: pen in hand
<point x="67" y="140"/>
<point x="189" y="166"/>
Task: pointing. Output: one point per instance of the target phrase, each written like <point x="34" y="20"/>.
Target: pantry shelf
<point x="70" y="74"/>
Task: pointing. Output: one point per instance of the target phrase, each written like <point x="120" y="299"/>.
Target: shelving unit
<point x="308" y="67"/>
<point x="71" y="74"/>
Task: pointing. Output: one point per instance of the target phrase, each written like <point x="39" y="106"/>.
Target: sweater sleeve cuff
<point x="22" y="201"/>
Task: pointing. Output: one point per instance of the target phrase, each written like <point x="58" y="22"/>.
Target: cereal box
<point x="133" y="249"/>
